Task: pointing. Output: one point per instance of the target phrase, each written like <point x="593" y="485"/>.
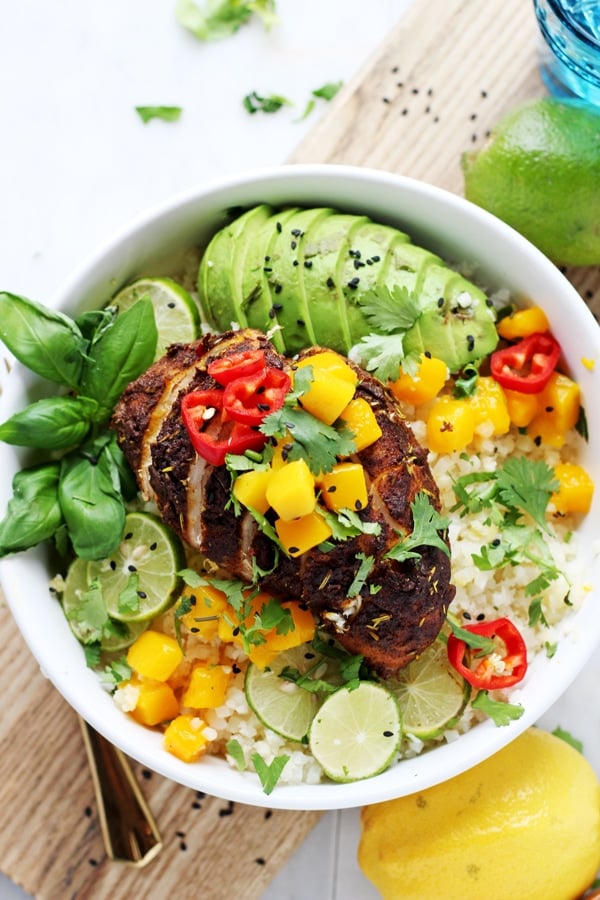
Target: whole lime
<point x="540" y="172"/>
<point x="524" y="823"/>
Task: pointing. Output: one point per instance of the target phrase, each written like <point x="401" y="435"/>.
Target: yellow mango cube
<point x="345" y="487"/>
<point x="229" y="623"/>
<point x="300" y="535"/>
<point x="156" y="702"/>
<point x="522" y="408"/>
<point x="490" y="407"/>
<point x="576" y="489"/>
<point x="303" y="631"/>
<point x="522" y="323"/>
<point x="291" y="490"/>
<point x="329" y="361"/>
<point x="327" y="396"/>
<point x="154" y="655"/>
<point x="207" y="686"/>
<point x="450" y="424"/>
<point x="424" y="384"/>
<point x="250" y="488"/>
<point x="360" y="419"/>
<point x="559" y="411"/>
<point x="206" y="606"/>
<point x="184" y="737"/>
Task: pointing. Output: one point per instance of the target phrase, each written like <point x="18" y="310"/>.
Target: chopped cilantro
<point x="390" y="311"/>
<point x="116" y="671"/>
<point x="328" y="91"/>
<point x="254" y="103"/>
<point x="500" y="712"/>
<point x="314" y="441"/>
<point x="129" y="599"/>
<point x="218" y="19"/>
<point x="348" y="524"/>
<point x="365" y="568"/>
<point x="166" y="113"/>
<point x="568" y="738"/>
<point x="92" y="654"/>
<point x="234" y="749"/>
<point x="427" y="525"/>
<point x="269" y="773"/>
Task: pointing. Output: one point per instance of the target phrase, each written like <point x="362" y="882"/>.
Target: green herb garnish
<point x="165" y="113"/>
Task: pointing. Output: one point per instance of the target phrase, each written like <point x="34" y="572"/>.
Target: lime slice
<point x="140" y="580"/>
<point x="86" y="613"/>
<point x="280" y="704"/>
<point x="175" y="312"/>
<point x="430" y="693"/>
<point x="355" y="734"/>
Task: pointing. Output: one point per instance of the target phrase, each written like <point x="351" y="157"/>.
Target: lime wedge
<point x="86" y="613"/>
<point x="175" y="312"/>
<point x="279" y="703"/>
<point x="140" y="580"/>
<point x="430" y="693"/>
<point x="355" y="734"/>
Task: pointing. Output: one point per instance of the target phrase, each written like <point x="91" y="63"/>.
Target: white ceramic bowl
<point x="438" y="220"/>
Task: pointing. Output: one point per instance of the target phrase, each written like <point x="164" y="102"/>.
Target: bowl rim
<point x="209" y="775"/>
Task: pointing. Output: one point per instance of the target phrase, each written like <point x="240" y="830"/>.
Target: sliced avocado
<point x="222" y="265"/>
<point x="457" y="324"/>
<point x="361" y="269"/>
<point x="325" y="249"/>
<point x="259" y="291"/>
<point x="286" y="262"/>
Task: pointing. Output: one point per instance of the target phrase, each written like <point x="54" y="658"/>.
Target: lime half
<point x="87" y="616"/>
<point x="140" y="580"/>
<point x="356" y="733"/>
<point x="175" y="312"/>
<point x="430" y="693"/>
<point x="280" y="703"/>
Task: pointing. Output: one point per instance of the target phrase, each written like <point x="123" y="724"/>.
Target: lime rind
<point x="175" y="311"/>
<point x="356" y="732"/>
<point x="431" y="695"/>
<point x="147" y="562"/>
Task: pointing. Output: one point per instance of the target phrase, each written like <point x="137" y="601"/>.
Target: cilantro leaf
<point x="527" y="485"/>
<point x="92" y="654"/>
<point x="166" y="113"/>
<point x="218" y="19"/>
<point x="427" y="523"/>
<point x="254" y="102"/>
<point x="269" y="774"/>
<point x="129" y="600"/>
<point x="568" y="738"/>
<point x="90" y="616"/>
<point x="348" y="524"/>
<point x="234" y="749"/>
<point x="391" y="310"/>
<point x="364" y="570"/>
<point x="479" y="642"/>
<point x="500" y="712"/>
<point x="328" y="90"/>
<point x="314" y="441"/>
<point x="381" y="354"/>
<point x="116" y="671"/>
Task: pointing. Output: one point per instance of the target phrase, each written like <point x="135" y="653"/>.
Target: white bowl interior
<point x="440" y="221"/>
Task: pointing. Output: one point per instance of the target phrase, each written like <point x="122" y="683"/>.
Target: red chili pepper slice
<point x="198" y="410"/>
<point x="249" y="400"/>
<point x="236" y="365"/>
<point x="480" y="671"/>
<point x="528" y="365"/>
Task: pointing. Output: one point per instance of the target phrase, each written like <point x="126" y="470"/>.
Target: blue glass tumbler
<point x="570" y="48"/>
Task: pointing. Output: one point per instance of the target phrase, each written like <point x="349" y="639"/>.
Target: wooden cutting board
<point x="434" y="89"/>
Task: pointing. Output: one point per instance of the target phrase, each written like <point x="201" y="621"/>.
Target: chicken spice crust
<point x="401" y="606"/>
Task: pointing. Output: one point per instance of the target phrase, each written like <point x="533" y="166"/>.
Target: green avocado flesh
<point x="304" y="274"/>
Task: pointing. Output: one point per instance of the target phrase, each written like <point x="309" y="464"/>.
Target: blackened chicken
<point x="401" y="606"/>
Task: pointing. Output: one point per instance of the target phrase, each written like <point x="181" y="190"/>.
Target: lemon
<point x="524" y="824"/>
<point x="430" y="692"/>
<point x="175" y="312"/>
<point x="540" y="173"/>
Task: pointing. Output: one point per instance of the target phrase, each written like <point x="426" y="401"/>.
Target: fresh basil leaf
<point x="94" y="322"/>
<point x="54" y="423"/>
<point x="121" y="469"/>
<point x="121" y="354"/>
<point x="93" y="509"/>
<point x="34" y="513"/>
<point x="47" y="342"/>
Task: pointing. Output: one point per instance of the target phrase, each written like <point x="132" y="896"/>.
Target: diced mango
<point x="344" y="487"/>
<point x="360" y="419"/>
<point x="522" y="408"/>
<point x="450" y="424"/>
<point x="327" y="396"/>
<point x="304" y="630"/>
<point x="424" y="384"/>
<point x="207" y="686"/>
<point x="291" y="490"/>
<point x="559" y="411"/>
<point x="250" y="488"/>
<point x="331" y="362"/>
<point x="522" y="323"/>
<point x="184" y="737"/>
<point x="300" y="535"/>
<point x="281" y="451"/>
<point x="154" y="655"/>
<point x="490" y="407"/>
<point x="207" y="603"/>
<point x="229" y="623"/>
<point x="576" y="489"/>
<point x="156" y="702"/>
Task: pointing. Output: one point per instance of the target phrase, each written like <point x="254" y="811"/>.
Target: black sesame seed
<point x="309" y="655"/>
<point x="268" y="813"/>
<point x="260" y="861"/>
<point x="376" y="258"/>
<point x="467" y="615"/>
<point x="549" y="409"/>
<point x="236" y="631"/>
<point x="267" y="258"/>
<point x="129" y="535"/>
<point x="278" y="227"/>
<point x="484" y="94"/>
<point x="182" y="845"/>
<point x="294" y="549"/>
<point x="297" y="232"/>
<point x="153" y="545"/>
<point x="331" y="489"/>
<point x="481" y="617"/>
<point x="404" y="111"/>
<point x="354" y="282"/>
<point x="330" y="282"/>
<point x="142" y="595"/>
<point x="277" y="306"/>
<point x="427" y="353"/>
<point x="267" y="269"/>
<point x="295" y="263"/>
<point x="440" y="302"/>
<point x="146" y="774"/>
<point x="235" y="669"/>
<point x="388" y="734"/>
<point x="470" y="342"/>
<point x="386" y="100"/>
<point x="93" y="862"/>
<point x="537" y="441"/>
<point x="196" y="805"/>
<point x="87" y="812"/>
<point x="180" y="834"/>
<point x="277" y="288"/>
<point x="415" y="90"/>
<point x="308" y="263"/>
<point x="357" y="504"/>
<point x="228" y="810"/>
<point x="355" y="254"/>
<point x="300" y="322"/>
<point x="131" y="568"/>
<point x="293" y="244"/>
<point x="358" y="264"/>
<point x="194" y="629"/>
<point x="112" y="565"/>
<point x="171" y="305"/>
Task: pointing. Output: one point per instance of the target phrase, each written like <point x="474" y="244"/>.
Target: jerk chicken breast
<point x="401" y="605"/>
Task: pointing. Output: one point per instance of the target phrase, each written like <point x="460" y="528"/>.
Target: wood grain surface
<point x="433" y="90"/>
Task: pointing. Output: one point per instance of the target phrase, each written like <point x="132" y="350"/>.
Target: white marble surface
<point x="77" y="162"/>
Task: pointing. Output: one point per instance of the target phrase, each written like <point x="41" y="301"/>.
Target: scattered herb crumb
<point x="165" y="113"/>
<point x="568" y="738"/>
<point x="269" y="773"/>
<point x="254" y="102"/>
<point x="218" y="19"/>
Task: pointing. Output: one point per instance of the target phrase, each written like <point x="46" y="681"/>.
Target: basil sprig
<point x="84" y="490"/>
